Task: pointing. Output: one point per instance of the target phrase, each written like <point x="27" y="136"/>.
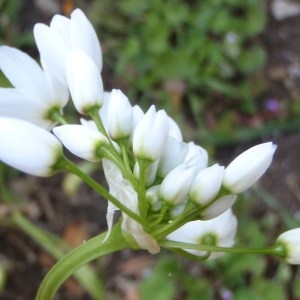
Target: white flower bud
<point x="218" y="207"/>
<point x="152" y="195"/>
<point x="175" y="187"/>
<point x="151" y="172"/>
<point x="173" y="155"/>
<point x="291" y="243"/>
<point x="119" y="121"/>
<point x="222" y="229"/>
<point x="196" y="156"/>
<point x="174" y="130"/>
<point x="84" y="81"/>
<point x="81" y="140"/>
<point x="150" y="135"/>
<point x="28" y="148"/>
<point x="248" y="167"/>
<point x="206" y="184"/>
<point x="55" y="42"/>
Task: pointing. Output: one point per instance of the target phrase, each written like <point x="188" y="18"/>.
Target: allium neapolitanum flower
<point x="36" y="92"/>
<point x="120" y="121"/>
<point x="290" y="240"/>
<point x="219" y="231"/>
<point x="150" y="135"/>
<point x="248" y="167"/>
<point x="28" y="147"/>
<point x="57" y="41"/>
<point x="81" y="140"/>
<point x="163" y="185"/>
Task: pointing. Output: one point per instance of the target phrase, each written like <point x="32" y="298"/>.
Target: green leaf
<point x="269" y="290"/>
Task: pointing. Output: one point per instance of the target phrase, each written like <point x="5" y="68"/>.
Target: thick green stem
<point x="88" y="251"/>
<point x="188" y="215"/>
<point x="86" y="276"/>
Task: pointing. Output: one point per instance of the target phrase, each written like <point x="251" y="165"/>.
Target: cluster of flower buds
<point x="150" y="170"/>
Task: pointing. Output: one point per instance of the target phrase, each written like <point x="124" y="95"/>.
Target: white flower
<point x="64" y="35"/>
<point x="81" y="140"/>
<point x="27" y="147"/>
<point x="248" y="167"/>
<point x="222" y="229"/>
<point x="291" y="243"/>
<point x="120" y="119"/>
<point x="150" y="135"/>
<point x="206" y="184"/>
<point x="36" y="91"/>
<point x="175" y="187"/>
<point x="173" y="154"/>
<point x="84" y="81"/>
<point x="196" y="156"/>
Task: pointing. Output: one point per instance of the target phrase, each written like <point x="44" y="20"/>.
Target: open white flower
<point x="221" y="230"/>
<point x="36" y="92"/>
<point x="55" y="42"/>
<point x="28" y="148"/>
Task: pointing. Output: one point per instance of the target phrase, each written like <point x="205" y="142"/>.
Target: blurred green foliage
<point x="184" y="55"/>
<point x="12" y="32"/>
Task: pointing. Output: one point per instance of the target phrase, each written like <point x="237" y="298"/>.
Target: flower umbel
<point x="168" y="193"/>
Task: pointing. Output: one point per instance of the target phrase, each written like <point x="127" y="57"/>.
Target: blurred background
<point x="229" y="74"/>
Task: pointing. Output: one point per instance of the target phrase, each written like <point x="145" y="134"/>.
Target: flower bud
<point x="206" y="184"/>
<point x="152" y="196"/>
<point x="290" y="240"/>
<point x="81" y="140"/>
<point x="150" y="135"/>
<point x="173" y="155"/>
<point x="119" y="116"/>
<point x="175" y="187"/>
<point x="84" y="81"/>
<point x="218" y="207"/>
<point x="174" y="130"/>
<point x="151" y="171"/>
<point x="248" y="167"/>
<point x="28" y="148"/>
<point x="222" y="229"/>
<point x="196" y="156"/>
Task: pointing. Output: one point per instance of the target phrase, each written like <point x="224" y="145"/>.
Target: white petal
<point x="58" y="91"/>
<point x="23" y="72"/>
<point x="119" y="116"/>
<point x="81" y="140"/>
<point x="248" y="167"/>
<point x="85" y="38"/>
<point x="27" y="147"/>
<point x="53" y="50"/>
<point x="84" y="81"/>
<point x="17" y="104"/>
